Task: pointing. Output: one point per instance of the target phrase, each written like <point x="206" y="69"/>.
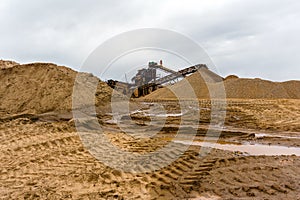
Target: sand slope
<point x="261" y="89"/>
<point x="41" y="87"/>
<point x="205" y="84"/>
<point x="7" y="64"/>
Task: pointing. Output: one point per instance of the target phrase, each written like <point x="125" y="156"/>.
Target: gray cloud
<point x="252" y="39"/>
<point x="248" y="38"/>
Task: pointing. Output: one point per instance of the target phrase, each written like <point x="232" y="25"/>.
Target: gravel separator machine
<point x="146" y="79"/>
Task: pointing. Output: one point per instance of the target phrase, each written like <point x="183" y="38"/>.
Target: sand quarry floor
<point x="43" y="157"/>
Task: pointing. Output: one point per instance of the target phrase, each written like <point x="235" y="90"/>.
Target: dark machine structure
<point x="146" y="79"/>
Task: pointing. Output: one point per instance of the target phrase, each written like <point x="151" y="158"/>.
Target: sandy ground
<point x="45" y="159"/>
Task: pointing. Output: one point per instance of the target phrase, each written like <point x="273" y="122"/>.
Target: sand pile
<point x="231" y="77"/>
<point x="234" y="88"/>
<point x="190" y="87"/>
<point x="258" y="89"/>
<point x="7" y="64"/>
<point x="292" y="88"/>
<point x="41" y="87"/>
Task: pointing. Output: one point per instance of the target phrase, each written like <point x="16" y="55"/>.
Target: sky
<point x="249" y="38"/>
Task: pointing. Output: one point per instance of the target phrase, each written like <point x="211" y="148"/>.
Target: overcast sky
<point x="250" y="38"/>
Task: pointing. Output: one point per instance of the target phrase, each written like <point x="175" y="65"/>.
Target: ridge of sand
<point x="41" y="87"/>
<point x="7" y="64"/>
<point x="205" y="84"/>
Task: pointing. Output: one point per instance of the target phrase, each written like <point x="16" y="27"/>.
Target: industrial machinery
<point x="146" y="79"/>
